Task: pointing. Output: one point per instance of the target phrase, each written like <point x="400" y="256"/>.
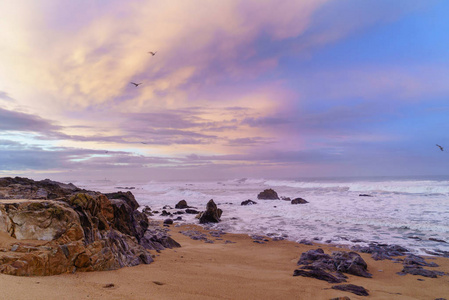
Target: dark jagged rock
<point x="318" y="274"/>
<point x="181" y="204"/>
<point x="381" y="251"/>
<point x="77" y="230"/>
<point x="365" y="195"/>
<point x="248" y="202"/>
<point x="336" y="264"/>
<point x="268" y="194"/>
<point x="416" y="270"/>
<point x="286" y="198"/>
<point x="212" y="213"/>
<point x="415" y="260"/>
<point x="191" y="211"/>
<point x="350" y="263"/>
<point x="352" y="288"/>
<point x="413" y="265"/>
<point x="299" y="201"/>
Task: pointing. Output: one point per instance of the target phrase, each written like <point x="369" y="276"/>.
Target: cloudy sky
<point x="237" y="88"/>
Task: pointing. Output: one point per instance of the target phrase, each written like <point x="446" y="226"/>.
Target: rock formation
<point x="53" y="228"/>
<point x="317" y="264"/>
<point x="212" y="213"/>
<point x="268" y="194"/>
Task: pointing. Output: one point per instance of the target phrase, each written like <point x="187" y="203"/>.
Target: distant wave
<point x="406" y="186"/>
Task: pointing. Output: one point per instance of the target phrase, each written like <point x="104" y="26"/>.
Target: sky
<point x="237" y="88"/>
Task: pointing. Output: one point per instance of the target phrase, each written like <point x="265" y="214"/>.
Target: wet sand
<point x="239" y="270"/>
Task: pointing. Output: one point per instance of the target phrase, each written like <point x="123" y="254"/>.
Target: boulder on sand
<point x="268" y="194"/>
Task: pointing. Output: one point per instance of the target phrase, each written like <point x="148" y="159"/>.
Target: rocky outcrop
<point x="268" y="194"/>
<point x="59" y="228"/>
<point x="317" y="264"/>
<point x="212" y="213"/>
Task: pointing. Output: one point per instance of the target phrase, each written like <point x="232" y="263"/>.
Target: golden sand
<point x="240" y="270"/>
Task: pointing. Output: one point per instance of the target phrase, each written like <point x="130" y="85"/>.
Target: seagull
<point x="152" y="53"/>
<point x="441" y="148"/>
<point x="136" y="84"/>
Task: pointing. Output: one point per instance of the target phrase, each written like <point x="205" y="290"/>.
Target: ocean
<point x="412" y="212"/>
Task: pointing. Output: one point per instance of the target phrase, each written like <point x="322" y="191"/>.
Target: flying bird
<point x="136" y="84"/>
<point x="441" y="148"/>
<point x="152" y="53"/>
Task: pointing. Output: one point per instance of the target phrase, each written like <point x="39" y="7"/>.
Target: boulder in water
<point x="268" y="194"/>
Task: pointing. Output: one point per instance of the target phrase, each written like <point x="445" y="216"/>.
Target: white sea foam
<point x="408" y="213"/>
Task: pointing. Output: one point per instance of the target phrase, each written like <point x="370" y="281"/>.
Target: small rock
<point x="355" y="289"/>
<point x="299" y="201"/>
<point x="168" y="221"/>
<point x="248" y="202"/>
<point x="182" y="204"/>
<point x="109" y="285"/>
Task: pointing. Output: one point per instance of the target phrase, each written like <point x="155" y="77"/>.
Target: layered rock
<point x="56" y="228"/>
<point x="319" y="265"/>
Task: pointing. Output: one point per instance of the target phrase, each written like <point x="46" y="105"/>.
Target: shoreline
<point x="240" y="269"/>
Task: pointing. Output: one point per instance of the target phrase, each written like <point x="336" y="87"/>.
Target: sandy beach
<point x="242" y="269"/>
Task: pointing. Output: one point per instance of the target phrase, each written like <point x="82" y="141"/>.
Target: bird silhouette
<point x="136" y="84"/>
<point x="441" y="148"/>
<point x="152" y="53"/>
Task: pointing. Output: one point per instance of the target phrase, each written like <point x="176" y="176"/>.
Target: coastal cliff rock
<point x="50" y="228"/>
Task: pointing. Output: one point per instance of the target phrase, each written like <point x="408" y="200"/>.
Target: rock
<point x="350" y="263"/>
<point x="248" y="202"/>
<point x="191" y="211"/>
<point x="335" y="265"/>
<point x="415" y="260"/>
<point x="147" y="211"/>
<point x="80" y="231"/>
<point x="381" y="251"/>
<point x="268" y="194"/>
<point x="168" y="221"/>
<point x="212" y="213"/>
<point x="341" y="298"/>
<point x="182" y="204"/>
<point x="318" y="274"/>
<point x="416" y="270"/>
<point x="299" y="201"/>
<point x="355" y="289"/>
<point x="365" y="195"/>
<point x="286" y="198"/>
